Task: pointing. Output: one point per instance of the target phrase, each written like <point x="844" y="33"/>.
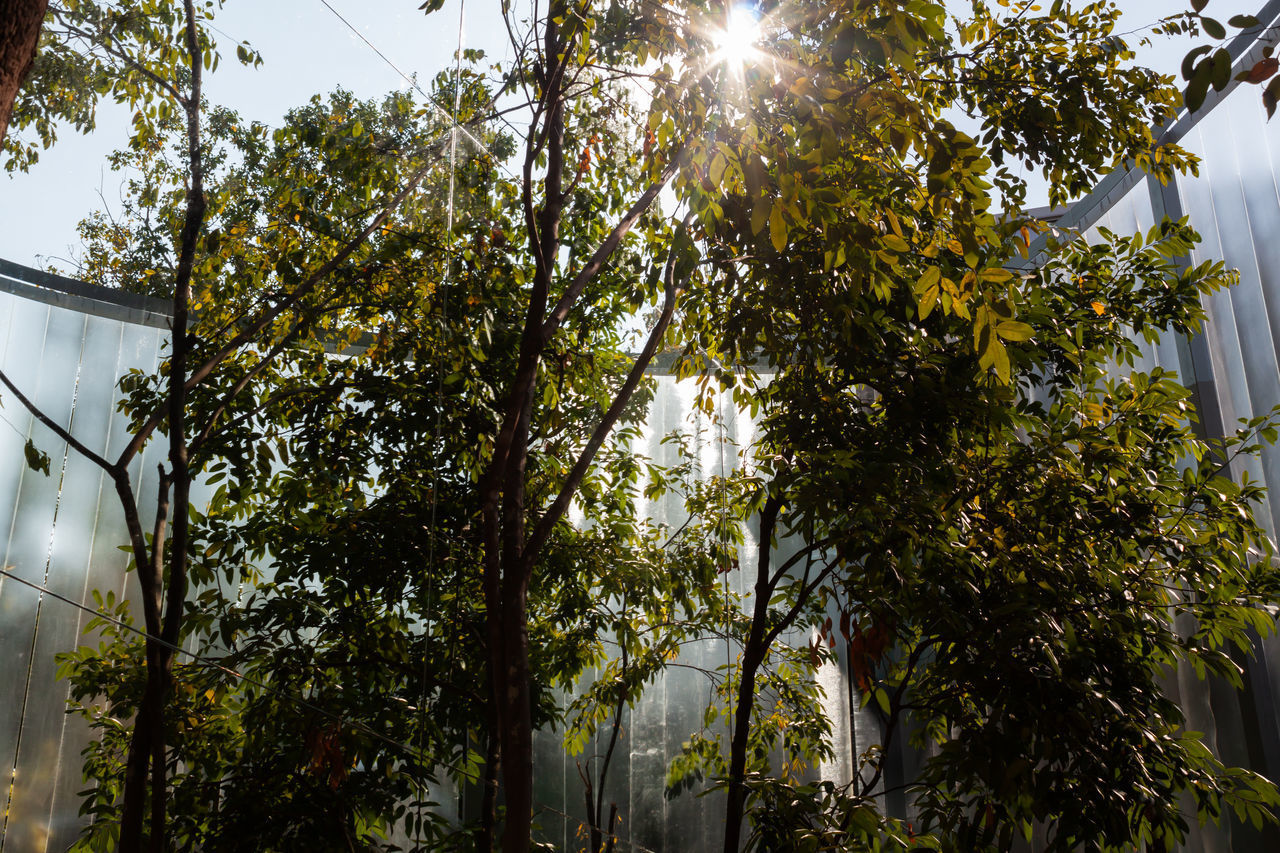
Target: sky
<point x="307" y="49"/>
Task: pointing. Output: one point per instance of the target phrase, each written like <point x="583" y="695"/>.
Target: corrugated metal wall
<point x="1233" y="365"/>
<point x="60" y="531"/>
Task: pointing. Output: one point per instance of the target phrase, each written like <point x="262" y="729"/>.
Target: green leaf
<point x="1213" y="28"/>
<point x="1189" y="61"/>
<point x="37" y="460"/>
<point x="1221" y="69"/>
<point x="1198" y="89"/>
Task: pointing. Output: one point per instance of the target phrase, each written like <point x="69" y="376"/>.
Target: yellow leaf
<point x="894" y="223"/>
<point x="1098" y="307"/>
<point x="894" y="242"/>
<point x="1012" y="330"/>
<point x="927" y="291"/>
<point x="760" y="215"/>
<point x="777" y="228"/>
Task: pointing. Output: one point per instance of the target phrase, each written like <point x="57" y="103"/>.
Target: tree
<point x="162" y="597"/>
<point x="865" y="124"/>
<point x="20" y="22"/>
<point x="830" y="218"/>
<point x="961" y="533"/>
<point x="252" y="250"/>
<point x="365" y="457"/>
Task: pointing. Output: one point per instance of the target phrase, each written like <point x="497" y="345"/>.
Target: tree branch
<point x="253" y="329"/>
<point x="606" y="249"/>
<point x="561" y="504"/>
<point x="128" y="60"/>
<point x="57" y="429"/>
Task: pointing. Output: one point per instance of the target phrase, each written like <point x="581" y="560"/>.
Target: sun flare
<point x="735" y="44"/>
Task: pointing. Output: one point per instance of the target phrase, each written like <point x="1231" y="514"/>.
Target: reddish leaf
<point x="1264" y="69"/>
<point x="326" y="755"/>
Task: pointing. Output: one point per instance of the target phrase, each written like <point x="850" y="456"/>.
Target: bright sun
<point x="735" y="45"/>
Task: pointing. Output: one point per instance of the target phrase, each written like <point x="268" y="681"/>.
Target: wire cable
<point x="441" y="111"/>
<point x="248" y="679"/>
<point x="445" y="281"/>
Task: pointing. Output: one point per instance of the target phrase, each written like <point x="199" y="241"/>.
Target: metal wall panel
<point x="77" y="481"/>
<point x="1234" y="205"/>
<point x="27" y="549"/>
<point x="60" y="531"/>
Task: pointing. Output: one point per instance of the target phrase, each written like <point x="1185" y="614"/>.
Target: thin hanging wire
<point x="445" y="281"/>
<point x="226" y="670"/>
<point x="412" y="81"/>
<point x="724" y="543"/>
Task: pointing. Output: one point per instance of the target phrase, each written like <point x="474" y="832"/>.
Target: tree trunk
<point x="517" y="741"/>
<point x="492" y="767"/>
<point x="138" y="761"/>
<point x="509" y="561"/>
<point x="150" y="716"/>
<point x="149" y="727"/>
<point x="752" y="656"/>
<point x="20" y="22"/>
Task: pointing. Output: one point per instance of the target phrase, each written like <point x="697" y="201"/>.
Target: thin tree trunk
<point x="508" y="563"/>
<point x="510" y="555"/>
<point x="141" y="743"/>
<point x="20" y="23"/>
<point x="596" y="810"/>
<point x="136" y="769"/>
<point x="517" y="740"/>
<point x="489" y="798"/>
<point x="159" y="794"/>
<point x="752" y="656"/>
<point x="148" y="733"/>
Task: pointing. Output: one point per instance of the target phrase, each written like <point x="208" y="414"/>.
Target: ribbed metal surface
<point x="60" y="531"/>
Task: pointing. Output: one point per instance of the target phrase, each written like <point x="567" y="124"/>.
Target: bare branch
<point x="610" y="244"/>
<point x="561" y="504"/>
<point x="57" y="429"/>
